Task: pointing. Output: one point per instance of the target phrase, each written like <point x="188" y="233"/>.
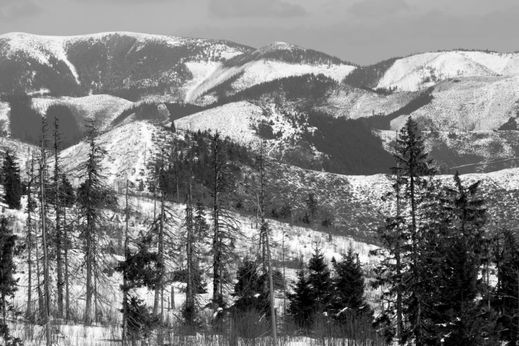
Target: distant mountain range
<point x="328" y="123"/>
<point x="313" y="110"/>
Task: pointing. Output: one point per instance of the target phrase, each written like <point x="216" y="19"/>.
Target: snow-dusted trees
<point x="45" y="305"/>
<point x="30" y="236"/>
<point x="92" y="197"/>
<point x="11" y="180"/>
<point x="224" y="226"/>
<point x="8" y="283"/>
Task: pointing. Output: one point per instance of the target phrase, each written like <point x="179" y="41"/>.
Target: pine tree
<point x="252" y="304"/>
<point x="56" y="199"/>
<point x="139" y="269"/>
<point x="452" y="251"/>
<point x="8" y="284"/>
<point x="348" y="287"/>
<point x="190" y="305"/>
<point x="92" y="197"/>
<point x="224" y="225"/>
<point x="67" y="200"/>
<point x="45" y="309"/>
<point x="301" y="302"/>
<point x="413" y="166"/>
<point x="265" y="252"/>
<point x="29" y="240"/>
<point x="11" y="180"/>
<point x="319" y="279"/>
<point x="506" y="301"/>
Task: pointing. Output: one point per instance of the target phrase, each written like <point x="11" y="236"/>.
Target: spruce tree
<point x="252" y="304"/>
<point x="92" y="196"/>
<point x="348" y="287"/>
<point x="320" y="281"/>
<point x="413" y="166"/>
<point x="301" y="302"/>
<point x="506" y="301"/>
<point x="140" y="268"/>
<point x="452" y="251"/>
<point x="11" y="180"/>
<point x="224" y="225"/>
<point x="8" y="284"/>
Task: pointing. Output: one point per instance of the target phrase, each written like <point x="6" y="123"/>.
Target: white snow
<point x="423" y="70"/>
<point x="262" y="71"/>
<point x="105" y="108"/>
<point x="232" y="120"/>
<point x="470" y="104"/>
<point x="201" y="70"/>
<point x="40" y="48"/>
<point x="128" y="149"/>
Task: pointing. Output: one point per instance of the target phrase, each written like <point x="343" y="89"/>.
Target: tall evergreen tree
<point x="29" y="239"/>
<point x="8" y="284"/>
<point x="412" y="168"/>
<point x="224" y="226"/>
<point x="301" y="303"/>
<point x="506" y="300"/>
<point x="46" y="309"/>
<point x="319" y="278"/>
<point x="452" y="251"/>
<point x="92" y="197"/>
<point x="348" y="288"/>
<point x="68" y="199"/>
<point x="11" y="180"/>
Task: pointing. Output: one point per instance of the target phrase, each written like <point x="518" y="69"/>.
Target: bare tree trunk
<point x="41" y="303"/>
<point x="264" y="235"/>
<point x="125" y="288"/>
<point x="399" y="307"/>
<point x="159" y="291"/>
<point x="57" y="208"/>
<point x="271" y="295"/>
<point x="67" y="269"/>
<point x="46" y="275"/>
<point x="87" y="319"/>
<point x="190" y="299"/>
<point x="29" y="311"/>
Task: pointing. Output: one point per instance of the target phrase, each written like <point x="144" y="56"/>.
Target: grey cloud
<point x="378" y="7"/>
<point x="14" y="9"/>
<point x="253" y="8"/>
<point x="123" y="1"/>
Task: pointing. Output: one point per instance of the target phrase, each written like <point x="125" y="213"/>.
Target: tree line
<point x="443" y="279"/>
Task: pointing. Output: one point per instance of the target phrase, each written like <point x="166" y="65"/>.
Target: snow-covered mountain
<point x="119" y="63"/>
<point x="313" y="111"/>
<point x="420" y="71"/>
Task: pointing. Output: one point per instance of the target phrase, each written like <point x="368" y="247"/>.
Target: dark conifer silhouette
<point x="11" y="180"/>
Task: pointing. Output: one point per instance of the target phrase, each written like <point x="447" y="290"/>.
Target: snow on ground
<point x="5" y="109"/>
<point x="422" y="70"/>
<point x="104" y="108"/>
<point x="262" y="71"/>
<point x="232" y="120"/>
<point x="200" y="70"/>
<point x="40" y="48"/>
<point x="354" y="103"/>
<point x="471" y="104"/>
<point x="128" y="149"/>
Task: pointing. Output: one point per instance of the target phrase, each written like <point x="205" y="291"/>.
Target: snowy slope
<point x="232" y="120"/>
<point x="128" y="148"/>
<point x="103" y="108"/>
<point x="41" y="49"/>
<point x="109" y="62"/>
<point x="276" y="61"/>
<point x="423" y="70"/>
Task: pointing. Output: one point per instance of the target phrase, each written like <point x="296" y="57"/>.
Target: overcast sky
<point x="362" y="31"/>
